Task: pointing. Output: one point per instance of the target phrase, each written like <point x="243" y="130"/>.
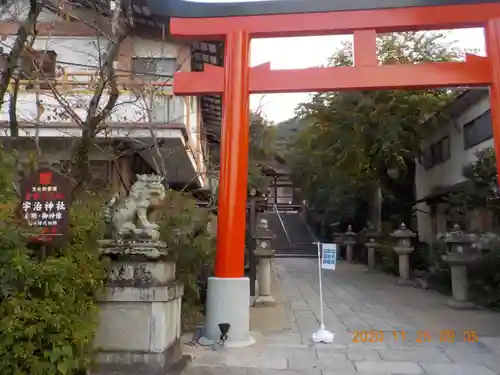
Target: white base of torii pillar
<point x="228" y="301"/>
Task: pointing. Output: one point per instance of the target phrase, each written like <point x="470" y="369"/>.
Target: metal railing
<point x="282" y="223"/>
<point x="83" y="83"/>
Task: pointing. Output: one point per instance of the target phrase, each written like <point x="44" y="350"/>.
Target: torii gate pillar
<point x="228" y="295"/>
<point x="492" y="34"/>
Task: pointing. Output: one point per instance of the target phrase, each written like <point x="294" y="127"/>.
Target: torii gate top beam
<point x="366" y="72"/>
<point x="340" y="22"/>
<point x="197" y="9"/>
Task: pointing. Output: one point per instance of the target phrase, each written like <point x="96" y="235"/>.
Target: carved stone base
<point x="140" y="314"/>
<point x="404" y="282"/>
<point x="145" y="248"/>
<point x="460" y="305"/>
<point x="264" y="301"/>
<point x="142" y="363"/>
<point x="140" y="326"/>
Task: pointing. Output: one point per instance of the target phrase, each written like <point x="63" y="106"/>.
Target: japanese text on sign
<point x="44" y="204"/>
<point x="329" y="258"/>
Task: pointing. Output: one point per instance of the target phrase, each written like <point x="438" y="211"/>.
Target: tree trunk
<point x="376" y="211"/>
<point x="27" y="29"/>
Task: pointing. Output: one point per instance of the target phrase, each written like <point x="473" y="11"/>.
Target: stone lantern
<point x="403" y="248"/>
<point x="264" y="253"/>
<point x="349" y="242"/>
<point x="460" y="252"/>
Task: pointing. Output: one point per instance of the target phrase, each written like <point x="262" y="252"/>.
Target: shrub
<point x="48" y="310"/>
<point x="387" y="259"/>
<point x="183" y="226"/>
<point x="484" y="279"/>
<point x="439" y="277"/>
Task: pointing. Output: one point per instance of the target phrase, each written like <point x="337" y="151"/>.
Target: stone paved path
<point x="410" y="329"/>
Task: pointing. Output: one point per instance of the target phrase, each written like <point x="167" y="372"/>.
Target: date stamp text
<point x="443" y="336"/>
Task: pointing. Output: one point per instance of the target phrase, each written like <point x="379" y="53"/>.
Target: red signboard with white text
<point x="44" y="204"/>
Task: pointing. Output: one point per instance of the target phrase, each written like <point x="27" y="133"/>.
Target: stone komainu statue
<point x="131" y="216"/>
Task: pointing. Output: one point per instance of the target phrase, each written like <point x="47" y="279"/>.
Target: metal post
<point x="251" y="249"/>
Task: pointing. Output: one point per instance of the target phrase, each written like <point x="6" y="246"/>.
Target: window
<point x="34" y="61"/>
<point x="437" y="153"/>
<point x="478" y="130"/>
<point x="160" y="69"/>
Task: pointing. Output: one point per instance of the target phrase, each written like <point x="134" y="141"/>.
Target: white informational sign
<point x="327" y="259"/>
<point x="329" y="256"/>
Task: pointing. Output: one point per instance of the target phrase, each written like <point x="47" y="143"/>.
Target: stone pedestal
<point x="460" y="282"/>
<point x="403" y="249"/>
<point x="264" y="297"/>
<point x="264" y="253"/>
<point x="371" y="246"/>
<point x="460" y="289"/>
<point x="140" y="312"/>
<point x="404" y="270"/>
<point x="461" y="252"/>
<point x="349" y="242"/>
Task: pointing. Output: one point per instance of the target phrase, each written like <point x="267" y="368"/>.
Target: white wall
<point x="161" y="49"/>
<point x="450" y="172"/>
<point x="18" y="11"/>
<point x="81" y="54"/>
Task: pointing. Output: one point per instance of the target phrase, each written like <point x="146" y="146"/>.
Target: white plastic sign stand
<point x="323" y="335"/>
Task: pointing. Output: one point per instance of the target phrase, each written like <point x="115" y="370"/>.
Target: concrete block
<point x="456" y="369"/>
<point x="417" y="355"/>
<point x="400" y="368"/>
<point x="141" y="326"/>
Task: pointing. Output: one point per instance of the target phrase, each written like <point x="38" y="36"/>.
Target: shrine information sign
<point x="44" y="206"/>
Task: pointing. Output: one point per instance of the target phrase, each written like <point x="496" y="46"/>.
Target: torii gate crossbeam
<point x="237" y="80"/>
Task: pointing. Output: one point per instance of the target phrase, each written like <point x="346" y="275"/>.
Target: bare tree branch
<point x="93" y="122"/>
<point x="27" y="29"/>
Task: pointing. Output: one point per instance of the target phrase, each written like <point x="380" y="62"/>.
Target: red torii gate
<point x="237" y="80"/>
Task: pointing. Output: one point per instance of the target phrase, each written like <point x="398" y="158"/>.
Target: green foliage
<point x="482" y="193"/>
<point x="484" y="279"/>
<point x="351" y="140"/>
<point x="183" y="226"/>
<point x="387" y="259"/>
<point x="261" y="151"/>
<point x="483" y="190"/>
<point x="48" y="310"/>
<point x="440" y="274"/>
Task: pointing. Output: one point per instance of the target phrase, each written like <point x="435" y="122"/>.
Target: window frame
<point x="148" y="75"/>
<point x="469" y="141"/>
<point x="436" y="153"/>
